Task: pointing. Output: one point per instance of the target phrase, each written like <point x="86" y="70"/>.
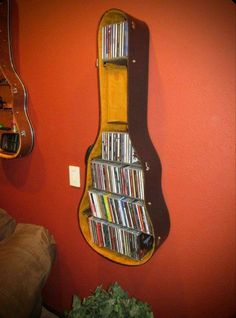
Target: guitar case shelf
<point x="123" y="88"/>
<point x="16" y="132"/>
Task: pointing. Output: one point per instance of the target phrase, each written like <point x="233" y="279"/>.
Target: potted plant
<point x="114" y="302"/>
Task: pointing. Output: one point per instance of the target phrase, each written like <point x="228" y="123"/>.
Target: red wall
<point x="191" y="122"/>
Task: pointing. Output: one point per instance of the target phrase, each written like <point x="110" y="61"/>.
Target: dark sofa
<point x="27" y="253"/>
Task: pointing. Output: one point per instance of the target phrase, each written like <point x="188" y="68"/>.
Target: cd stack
<point x="115" y="41"/>
<point x="129" y="242"/>
<point x="116" y="146"/>
<point x="118" y="178"/>
<point x="118" y="209"/>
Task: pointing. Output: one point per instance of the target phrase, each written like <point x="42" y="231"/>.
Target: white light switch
<point x="74" y="176"/>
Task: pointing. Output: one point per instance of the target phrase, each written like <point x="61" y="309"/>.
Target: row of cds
<point x="115" y="41"/>
<point x="120" y="210"/>
<point x="129" y="242"/>
<point x="116" y="146"/>
<point x="118" y="178"/>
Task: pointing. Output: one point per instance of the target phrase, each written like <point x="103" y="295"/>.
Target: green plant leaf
<point x="76" y="303"/>
<point x="116" y="291"/>
<point x="115" y="302"/>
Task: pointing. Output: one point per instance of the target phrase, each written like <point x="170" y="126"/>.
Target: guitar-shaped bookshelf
<point x="16" y="133"/>
<point x="122" y="214"/>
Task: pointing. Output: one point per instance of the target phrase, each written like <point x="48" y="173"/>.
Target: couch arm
<point x="26" y="258"/>
<point x="7" y="225"/>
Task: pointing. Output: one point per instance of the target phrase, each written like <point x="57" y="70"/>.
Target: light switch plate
<point x="74" y="176"/>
